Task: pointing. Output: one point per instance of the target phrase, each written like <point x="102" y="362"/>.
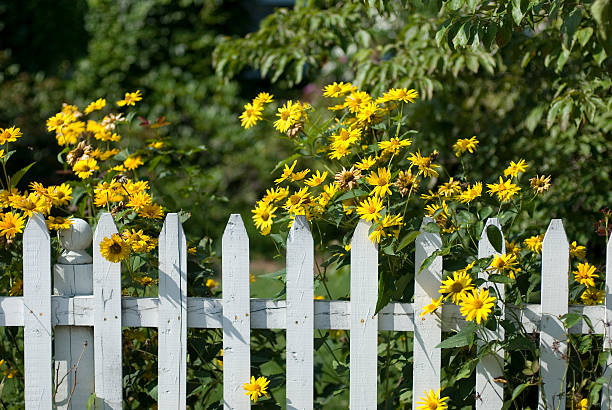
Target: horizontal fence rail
<point x="86" y="312"/>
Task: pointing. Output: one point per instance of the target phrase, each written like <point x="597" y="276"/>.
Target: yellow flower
<point x="57" y="122"/>
<point x="505" y="190"/>
<point x="366" y="163"/>
<point x="357" y="99"/>
<point x="275" y="194"/>
<point x="450" y="188"/>
<point x="85" y="167"/>
<point x="432" y="307"/>
<point x="471" y="193"/>
<point x="432" y="401"/>
<point x="57" y="223"/>
<point x="95" y="105"/>
<point x="15" y="290"/>
<point x="425" y="165"/>
<point x="340" y="149"/>
<point x="512" y="248"/>
<point x="31" y="203"/>
<point x="9" y="134"/>
<point x="370" y="208"/>
<point x="250" y="115"/>
<point x="136" y="187"/>
<point x="139" y="200"/>
<point x="263" y="216"/>
<point x="337" y="89"/>
<point x="286" y="173"/>
<point x="582" y="404"/>
<point x="457" y="286"/>
<point x="288" y="114"/>
<point x="115" y="249"/>
<point x="319" y="298"/>
<point x="592" y="296"/>
<point x="399" y="94"/>
<point x="11" y="224"/>
<point x="515" y="168"/>
<point x="145" y="281"/>
<point x="465" y="144"/>
<point x="534" y="243"/>
<point x="60" y="194"/>
<point x="394" y="145"/>
<point x="477" y="305"/>
<point x="577" y="251"/>
<point x="252" y="277"/>
<point x="540" y="184"/>
<point x="367" y="113"/>
<point x="156" y="144"/>
<point x="138" y="241"/>
<point x="130" y="99"/>
<point x="107" y="192"/>
<point x="256" y="388"/>
<point x="316" y="179"/>
<point x="152" y="211"/>
<point x="263" y="98"/>
<point x="505" y="264"/>
<point x="380" y="182"/>
<point x="298" y="176"/>
<point x="211" y="283"/>
<point x="585" y="274"/>
<point x="406" y="182"/>
<point x="132" y="162"/>
<point x="296" y="201"/>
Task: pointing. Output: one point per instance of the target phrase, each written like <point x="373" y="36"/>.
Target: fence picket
<point x="427" y="331"/>
<point x="107" y="321"/>
<point x="74" y="345"/>
<point x="37" y="314"/>
<point x="490" y="394"/>
<point x="606" y="391"/>
<point x="172" y="335"/>
<point x="553" y="336"/>
<point x="364" y="323"/>
<point x="300" y="315"/>
<point x="236" y="310"/>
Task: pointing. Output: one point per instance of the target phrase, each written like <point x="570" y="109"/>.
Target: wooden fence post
<point x="300" y="315"/>
<point x="427" y="360"/>
<point x="606" y="391"/>
<point x="489" y="393"/>
<point x="37" y="314"/>
<point x="364" y="323"/>
<point x="74" y="345"/>
<point x="553" y="335"/>
<point x="107" y="321"/>
<point x="172" y="335"/>
<point x="236" y="314"/>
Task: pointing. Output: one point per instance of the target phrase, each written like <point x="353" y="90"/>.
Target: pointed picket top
<point x="172" y="363"/>
<point x="236" y="309"/>
<point x="491" y="366"/>
<point x="37" y="314"/>
<point x="364" y="323"/>
<point x="606" y="402"/>
<point x="36" y="226"/>
<point x="427" y="360"/>
<point x="554" y="304"/>
<point x="485" y="247"/>
<point x="235" y="228"/>
<point x="300" y="315"/>
<point x="107" y="321"/>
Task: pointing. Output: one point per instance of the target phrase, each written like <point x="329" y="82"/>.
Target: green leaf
<point x="91" y="402"/>
<point x="408" y="239"/>
<point x="19" y="174"/>
<point x="517" y="13"/>
<point x="495" y="237"/>
<point x="500" y="279"/>
<point x="571" y="319"/>
<point x="464" y="337"/>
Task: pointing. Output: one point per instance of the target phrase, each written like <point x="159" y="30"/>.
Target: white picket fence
<point x="86" y="312"/>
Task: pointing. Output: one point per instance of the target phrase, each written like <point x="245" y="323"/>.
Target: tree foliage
<point x="531" y="78"/>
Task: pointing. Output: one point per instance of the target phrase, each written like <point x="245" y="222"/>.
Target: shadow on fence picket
<point x="91" y="314"/>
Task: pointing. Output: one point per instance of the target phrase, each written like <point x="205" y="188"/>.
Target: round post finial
<point x="75" y="240"/>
